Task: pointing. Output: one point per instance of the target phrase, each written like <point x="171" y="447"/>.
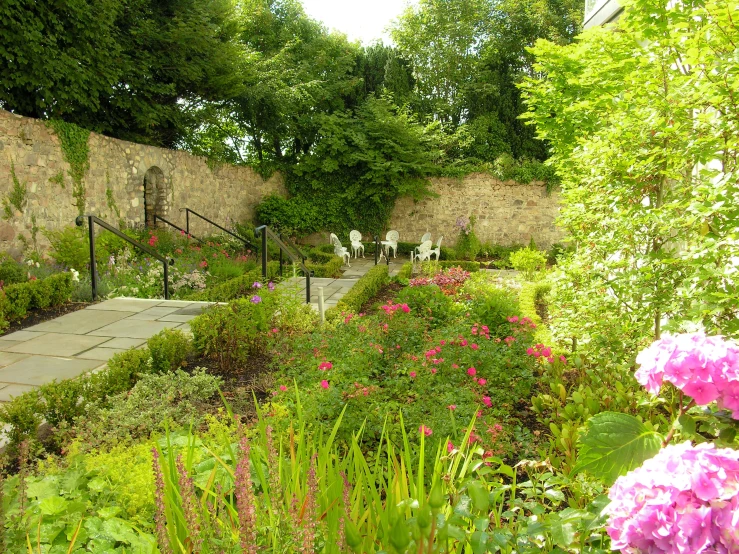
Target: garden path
<point x="335" y="289"/>
<point x="83" y="341"/>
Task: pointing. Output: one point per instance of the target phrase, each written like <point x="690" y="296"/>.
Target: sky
<point x="363" y="20"/>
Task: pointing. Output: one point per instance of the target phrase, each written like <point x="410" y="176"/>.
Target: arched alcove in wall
<point x="156" y="195"/>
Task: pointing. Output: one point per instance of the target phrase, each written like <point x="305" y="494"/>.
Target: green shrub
<point x="428" y="300"/>
<point x="365" y="288"/>
<point x="169" y="349"/>
<point x="19" y="298"/>
<point x="331" y="268"/>
<point x="466" y="265"/>
<point x="235" y="288"/>
<point x="172" y="399"/>
<point x="232" y="333"/>
<point x="468" y="245"/>
<point x="70" y="247"/>
<point x="528" y="261"/>
<point x="11" y="272"/>
<point x="529" y="296"/>
<point x="405" y="271"/>
<point x="22" y="416"/>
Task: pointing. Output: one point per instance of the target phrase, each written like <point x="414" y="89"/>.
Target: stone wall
<point x="174" y="180"/>
<point x="506" y="212"/>
<point x="127" y="182"/>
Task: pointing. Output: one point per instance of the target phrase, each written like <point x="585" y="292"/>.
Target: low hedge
<point x="365" y="288"/>
<point x="60" y="402"/>
<point x="323" y="262"/>
<point x="405" y="271"/>
<point x="530" y="294"/>
<point x="238" y="287"/>
<point x="17" y="299"/>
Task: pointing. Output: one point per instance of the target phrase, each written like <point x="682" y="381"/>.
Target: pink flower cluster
<point x="448" y="281"/>
<point x="684" y="500"/>
<point x="541" y="351"/>
<point x="705" y="368"/>
<point x="391" y="308"/>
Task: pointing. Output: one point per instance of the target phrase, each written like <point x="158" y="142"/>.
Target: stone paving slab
<point x="10" y="391"/>
<point x="177" y="318"/>
<point x="100" y="353"/>
<point x="123" y="342"/>
<point x="4" y="344"/>
<point x="21" y="336"/>
<point x="133" y="329"/>
<point x="152" y="314"/>
<point x="80" y="322"/>
<point x="193" y="309"/>
<point x="175" y="303"/>
<point x="125" y="304"/>
<point x="39" y="370"/>
<point x="7" y="358"/>
<point x="57" y="344"/>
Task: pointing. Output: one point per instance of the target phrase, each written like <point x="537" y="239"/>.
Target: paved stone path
<point x="83" y="341"/>
<point x="335" y="289"/>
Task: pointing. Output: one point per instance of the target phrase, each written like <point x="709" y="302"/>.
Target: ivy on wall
<point x="73" y="140"/>
<point x="17" y="196"/>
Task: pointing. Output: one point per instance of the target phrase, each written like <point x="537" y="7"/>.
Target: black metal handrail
<point x="160" y="218"/>
<point x="91" y="220"/>
<point x="265" y="232"/>
<point x="188" y="211"/>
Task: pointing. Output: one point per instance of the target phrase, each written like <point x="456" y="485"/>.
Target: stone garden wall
<point x="506" y="212"/>
<point x="125" y="182"/>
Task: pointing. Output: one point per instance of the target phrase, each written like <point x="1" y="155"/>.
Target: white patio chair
<point x="391" y="241"/>
<point x="356" y="239"/>
<point x="339" y="250"/>
<point x="437" y="250"/>
<point x="424" y="238"/>
<point x="424" y="251"/>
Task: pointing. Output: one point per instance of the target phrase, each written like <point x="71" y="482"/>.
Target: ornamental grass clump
<point x="684" y="500"/>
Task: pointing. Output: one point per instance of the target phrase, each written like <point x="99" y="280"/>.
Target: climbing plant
<point x="73" y="140"/>
<point x="16" y="198"/>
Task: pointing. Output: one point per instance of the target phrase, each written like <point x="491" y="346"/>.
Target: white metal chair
<point x="339" y="250"/>
<point x="424" y="238"/>
<point x="437" y="250"/>
<point x="424" y="251"/>
<point x="356" y="239"/>
<point x="391" y="241"/>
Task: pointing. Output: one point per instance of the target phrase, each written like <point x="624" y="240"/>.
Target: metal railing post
<point x="187" y="221"/>
<point x="280" y="262"/>
<point x="166" y="281"/>
<point x="93" y="264"/>
<point x="307" y="288"/>
<point x="264" y="253"/>
<point x="377" y="247"/>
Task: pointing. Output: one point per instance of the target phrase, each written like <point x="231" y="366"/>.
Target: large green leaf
<point x="614" y="444"/>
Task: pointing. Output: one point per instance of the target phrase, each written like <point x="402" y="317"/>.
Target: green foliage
<point x="232" y="333"/>
<point x="491" y="305"/>
<point x="365" y="288"/>
<point x="235" y="288"/>
<point x="17" y="197"/>
<point x="614" y="444"/>
<point x="70" y="247"/>
<point x="294" y="216"/>
<point x="646" y="176"/>
<point x="173" y="399"/>
<point x="464" y="264"/>
<point x="73" y="141"/>
<point x="468" y="245"/>
<point x="58" y="179"/>
<point x="428" y="300"/>
<point x="529" y="262"/>
<point x="40" y="293"/>
<point x="168" y="349"/>
<point x="12" y="272"/>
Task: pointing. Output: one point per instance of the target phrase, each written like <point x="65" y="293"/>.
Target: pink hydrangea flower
<point x="472" y="372"/>
<point x="412" y="374"/>
<point x="486" y="400"/>
<point x="705" y="368"/>
<point x="684" y="500"/>
<point x="482" y="381"/>
<point x="283" y="388"/>
<point x="452" y="407"/>
<point x="405" y="308"/>
<point x="449" y="447"/>
<point x="425" y="430"/>
<point x="324" y="384"/>
<point x="325" y="365"/>
<point x="474" y="346"/>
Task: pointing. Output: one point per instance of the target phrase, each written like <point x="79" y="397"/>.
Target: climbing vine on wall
<point x="76" y="151"/>
<point x="17" y="196"/>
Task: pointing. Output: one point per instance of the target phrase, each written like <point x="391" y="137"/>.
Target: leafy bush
<point x="429" y="300"/>
<point x="70" y="247"/>
<point x="169" y="350"/>
<point x="61" y="402"/>
<point x="293" y="216"/>
<point x="12" y="272"/>
<point x="21" y="297"/>
<point x="468" y="245"/>
<point x="489" y="304"/>
<point x="528" y="261"/>
<point x="235" y="288"/>
<point x="171" y="399"/>
<point x="365" y="288"/>
<point x="466" y="265"/>
<point x="234" y="332"/>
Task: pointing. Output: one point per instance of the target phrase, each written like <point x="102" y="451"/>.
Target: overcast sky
<point x="363" y="20"/>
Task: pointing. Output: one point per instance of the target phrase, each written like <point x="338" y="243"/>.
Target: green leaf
<point x="53" y="505"/>
<point x="614" y="444"/>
